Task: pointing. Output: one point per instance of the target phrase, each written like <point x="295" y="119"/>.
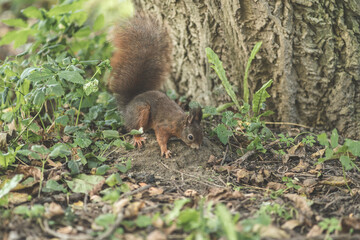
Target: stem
<point x="77" y="118"/>
<point x="27" y="126"/>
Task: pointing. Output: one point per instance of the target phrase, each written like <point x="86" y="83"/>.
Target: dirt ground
<point x="216" y="173"/>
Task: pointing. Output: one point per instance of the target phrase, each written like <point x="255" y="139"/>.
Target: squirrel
<point x="141" y="63"/>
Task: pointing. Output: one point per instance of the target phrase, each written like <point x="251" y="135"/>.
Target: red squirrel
<point x="141" y="63"/>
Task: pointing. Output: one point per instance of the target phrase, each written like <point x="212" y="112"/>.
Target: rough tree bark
<point x="311" y="49"/>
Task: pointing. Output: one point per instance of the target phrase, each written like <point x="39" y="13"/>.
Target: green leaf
<point x="60" y="150"/>
<point x="39" y="97"/>
<point x="189" y="219"/>
<point x="226" y="222"/>
<point x="82" y="142"/>
<point x="223" y="133"/>
<point x="91" y="87"/>
<point x="17" y="22"/>
<point x="113" y="179"/>
<point x="245" y="83"/>
<point x="84" y="183"/>
<point x="110" y="134"/>
<point x="102" y="170"/>
<point x="174" y="213"/>
<point x="10" y="185"/>
<point x="218" y="67"/>
<point x="55" y="89"/>
<point x="62" y="120"/>
<point x="72" y="76"/>
<point x="328" y="153"/>
<point x="323" y="140"/>
<point x="64" y="8"/>
<point x="105" y="220"/>
<point x="353" y="146"/>
<point x="137" y="132"/>
<point x="260" y="97"/>
<point x="99" y="22"/>
<point x="74" y="167"/>
<point x="334" y="139"/>
<point x="32" y="12"/>
<point x="346" y="162"/>
<point x="53" y="186"/>
<point x="124" y="168"/>
<point x="40" y="149"/>
<point x="43" y="75"/>
<point x="143" y="221"/>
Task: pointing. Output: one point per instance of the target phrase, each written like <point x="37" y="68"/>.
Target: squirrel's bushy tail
<point x="142" y="57"/>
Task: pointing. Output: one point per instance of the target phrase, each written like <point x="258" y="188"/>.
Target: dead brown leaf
<point x="315" y="231"/>
<point x="303" y="206"/>
<point x="275" y="186"/>
<point x="301" y="167"/>
<point x="3" y="142"/>
<point x="348" y="223"/>
<point x="96" y="189"/>
<point x="119" y="205"/>
<point x="319" y="153"/>
<point x="153" y="191"/>
<point x="67" y="230"/>
<point x="216" y="194"/>
<point x="132" y="210"/>
<point x="53" y="209"/>
<point x="291" y="224"/>
<point x="335" y="181"/>
<point x="190" y="193"/>
<point x="243" y="175"/>
<point x="156" y="235"/>
<point x="29" y="171"/>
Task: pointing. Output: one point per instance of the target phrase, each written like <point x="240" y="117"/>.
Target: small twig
<point x="85" y="202"/>
<point x="63" y="236"/>
<point x="140" y="189"/>
<point x="111" y="229"/>
<point x="226" y="151"/>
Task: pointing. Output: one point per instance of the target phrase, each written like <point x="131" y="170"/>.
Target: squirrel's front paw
<point x="167" y="154"/>
<point x="138" y="140"/>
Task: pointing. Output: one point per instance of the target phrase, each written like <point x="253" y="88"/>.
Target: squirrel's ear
<point x="195" y="115"/>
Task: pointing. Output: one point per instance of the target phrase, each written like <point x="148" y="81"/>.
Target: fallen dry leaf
<point x="216" y="194"/>
<point x="156" y="235"/>
<point x="272" y="232"/>
<point x="301" y="167"/>
<point x="132" y="210"/>
<point x="348" y="223"/>
<point x="335" y="181"/>
<point x="29" y="171"/>
<point x="314" y="232"/>
<point x="53" y="209"/>
<point x="275" y="186"/>
<point x="96" y="189"/>
<point x="17" y="198"/>
<point x="153" y="191"/>
<point x="319" y="153"/>
<point x="291" y="224"/>
<point x="243" y="175"/>
<point x="190" y="193"/>
<point x="302" y="205"/>
<point x="3" y="142"/>
<point x="119" y="205"/>
<point x="67" y="230"/>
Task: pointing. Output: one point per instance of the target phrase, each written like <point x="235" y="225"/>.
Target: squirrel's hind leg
<point x="141" y="120"/>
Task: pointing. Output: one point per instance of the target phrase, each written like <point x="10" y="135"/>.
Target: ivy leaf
<point x="53" y="186"/>
<point x="72" y="76"/>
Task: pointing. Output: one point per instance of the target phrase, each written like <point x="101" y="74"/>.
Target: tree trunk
<point x="311" y="49"/>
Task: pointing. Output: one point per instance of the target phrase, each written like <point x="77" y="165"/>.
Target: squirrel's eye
<point x="190" y="137"/>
